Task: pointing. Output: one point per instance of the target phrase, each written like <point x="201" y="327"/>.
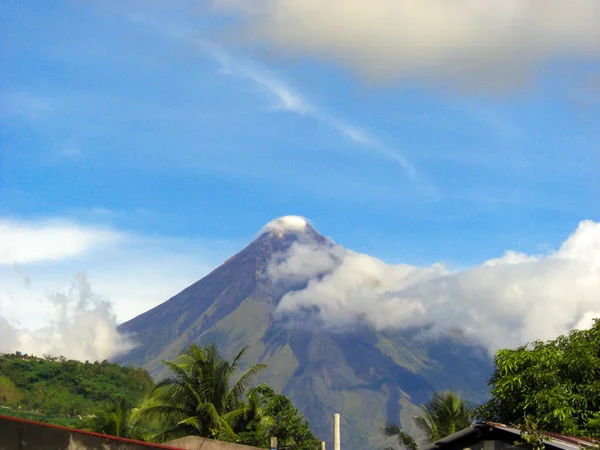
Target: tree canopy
<point x="555" y="383"/>
<point x="275" y="416"/>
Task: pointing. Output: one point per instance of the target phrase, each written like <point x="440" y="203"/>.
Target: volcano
<point x="367" y="375"/>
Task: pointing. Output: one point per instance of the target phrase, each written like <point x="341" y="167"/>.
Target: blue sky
<point x="189" y="125"/>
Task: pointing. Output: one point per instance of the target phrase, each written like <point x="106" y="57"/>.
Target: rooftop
<point x="491" y="431"/>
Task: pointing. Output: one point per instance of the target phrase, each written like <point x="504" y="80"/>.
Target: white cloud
<point x="81" y="327"/>
<point x="42" y="308"/>
<point x="30" y="242"/>
<point x="504" y="302"/>
<point x="491" y="45"/>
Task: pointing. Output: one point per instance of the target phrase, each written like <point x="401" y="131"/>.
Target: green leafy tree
<point x="199" y="398"/>
<point x="531" y="436"/>
<point x="274" y="415"/>
<point x="555" y="383"/>
<point x="445" y="414"/>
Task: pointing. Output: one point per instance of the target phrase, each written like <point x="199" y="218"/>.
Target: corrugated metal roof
<point x="563" y="441"/>
<point x="498" y="431"/>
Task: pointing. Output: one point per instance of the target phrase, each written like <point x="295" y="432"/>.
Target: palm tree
<point x="254" y="411"/>
<point x="198" y="398"/>
<point x="445" y="414"/>
<point x="405" y="440"/>
<point x="112" y="419"/>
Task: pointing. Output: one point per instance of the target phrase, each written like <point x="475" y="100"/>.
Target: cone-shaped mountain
<point x="368" y="376"/>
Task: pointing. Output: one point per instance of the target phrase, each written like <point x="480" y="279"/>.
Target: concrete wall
<point x="18" y="434"/>
<point x="198" y="443"/>
<point x="492" y="445"/>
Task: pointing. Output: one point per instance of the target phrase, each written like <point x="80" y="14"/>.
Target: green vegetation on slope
<point x="204" y="395"/>
<point x="53" y="389"/>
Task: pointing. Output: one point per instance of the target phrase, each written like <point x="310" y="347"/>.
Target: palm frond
<point x="391" y="429"/>
<point x="234" y="415"/>
<point x="427" y="425"/>
<point x="243" y="383"/>
<point x="407" y="441"/>
<point x="192" y="421"/>
<point x="445" y="414"/>
<point x="198" y="396"/>
<point x="161" y="412"/>
<point x="236" y="360"/>
<point x="165" y="434"/>
<point x="179" y="371"/>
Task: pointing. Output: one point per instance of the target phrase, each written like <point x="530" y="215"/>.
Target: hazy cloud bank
<point x="504" y="302"/>
<point x="83" y="327"/>
<point x="469" y="44"/>
<point x="44" y="309"/>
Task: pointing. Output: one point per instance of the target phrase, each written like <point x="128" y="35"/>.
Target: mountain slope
<point x="368" y="376"/>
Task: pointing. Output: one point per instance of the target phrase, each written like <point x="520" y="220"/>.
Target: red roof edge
<point x="88" y="433"/>
<point x="575" y="440"/>
<point x="571" y="439"/>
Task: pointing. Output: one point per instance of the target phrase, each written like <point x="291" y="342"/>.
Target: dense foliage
<point x="274" y="415"/>
<point x="114" y="419"/>
<point x="72" y="422"/>
<point x="556" y="384"/>
<point x="198" y="399"/>
<point x="58" y="387"/>
<point x="203" y="396"/>
<point x="445" y="414"/>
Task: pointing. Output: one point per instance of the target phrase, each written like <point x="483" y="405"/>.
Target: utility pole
<point x="336" y="432"/>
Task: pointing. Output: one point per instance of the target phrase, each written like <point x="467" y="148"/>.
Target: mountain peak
<point x="286" y="224"/>
<point x="279" y="234"/>
<point x="371" y="376"/>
